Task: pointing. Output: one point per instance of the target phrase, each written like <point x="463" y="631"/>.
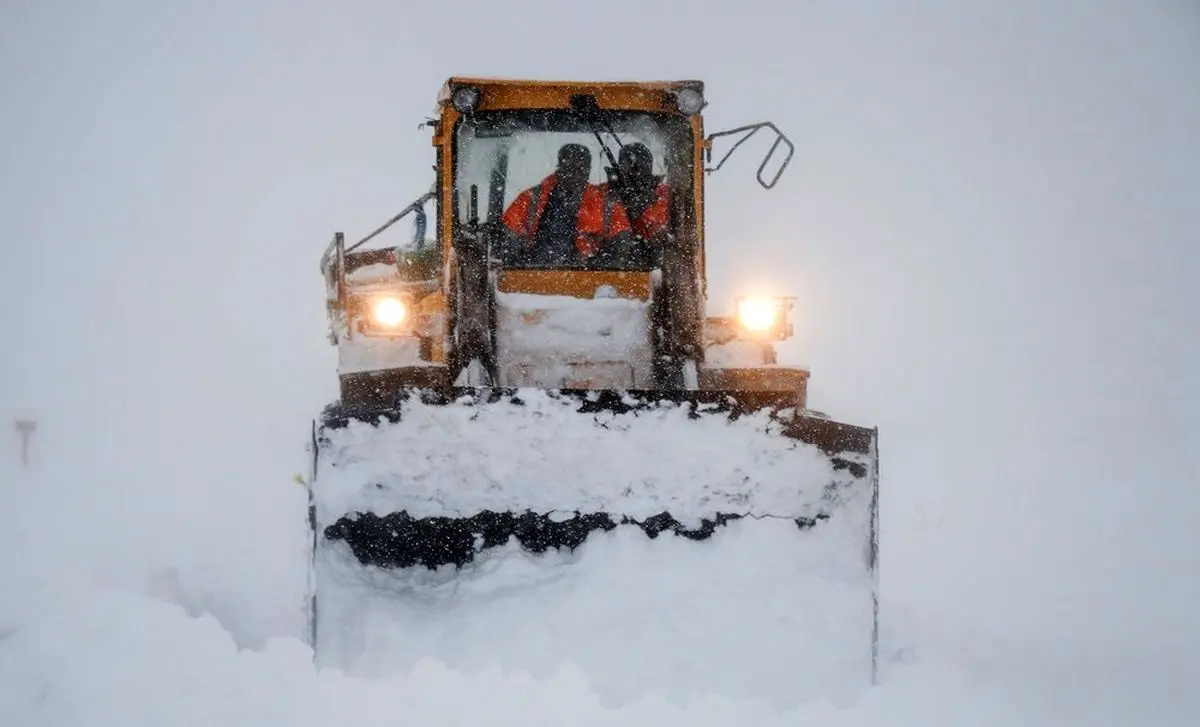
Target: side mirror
<point x="333" y="267"/>
<point x="747" y="132"/>
<point x="419" y="229"/>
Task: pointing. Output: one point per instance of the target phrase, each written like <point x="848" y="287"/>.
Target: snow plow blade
<point x="418" y="508"/>
<point x="400" y="539"/>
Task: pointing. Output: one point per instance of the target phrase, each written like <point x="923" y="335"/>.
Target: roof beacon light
<point x="465" y="99"/>
<point x="689" y="101"/>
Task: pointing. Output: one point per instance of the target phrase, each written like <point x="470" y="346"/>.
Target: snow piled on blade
<point x="545" y="456"/>
<point x="763" y="609"/>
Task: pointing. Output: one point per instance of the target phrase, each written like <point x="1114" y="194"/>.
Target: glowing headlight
<point x="388" y="312"/>
<point x="758" y="316"/>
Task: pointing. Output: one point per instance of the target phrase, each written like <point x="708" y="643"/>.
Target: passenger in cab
<point x="563" y="220"/>
<point x="642" y="193"/>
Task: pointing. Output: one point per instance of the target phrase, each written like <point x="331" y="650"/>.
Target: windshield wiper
<point x="585" y="105"/>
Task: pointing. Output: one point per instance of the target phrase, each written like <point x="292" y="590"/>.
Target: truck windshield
<point x="503" y="154"/>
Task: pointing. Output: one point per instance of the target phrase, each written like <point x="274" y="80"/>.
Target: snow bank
<point x="84" y="657"/>
<point x="228" y="536"/>
<point x="760" y="610"/>
<point x="211" y="524"/>
<point x="545" y="456"/>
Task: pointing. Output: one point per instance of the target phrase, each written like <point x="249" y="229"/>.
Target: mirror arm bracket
<point x="416" y="206"/>
<point x="748" y="131"/>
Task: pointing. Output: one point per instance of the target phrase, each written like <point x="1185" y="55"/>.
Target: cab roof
<point x="506" y="93"/>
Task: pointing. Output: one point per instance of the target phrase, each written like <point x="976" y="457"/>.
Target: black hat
<point x="574" y="155"/>
<point x="636" y="157"/>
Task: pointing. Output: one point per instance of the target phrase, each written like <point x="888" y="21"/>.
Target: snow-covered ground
<point x="126" y="603"/>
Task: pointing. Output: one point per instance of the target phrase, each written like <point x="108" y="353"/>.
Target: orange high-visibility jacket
<point x="599" y="218"/>
<point x="655" y="218"/>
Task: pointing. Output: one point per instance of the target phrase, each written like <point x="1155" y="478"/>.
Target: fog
<point x="990" y="223"/>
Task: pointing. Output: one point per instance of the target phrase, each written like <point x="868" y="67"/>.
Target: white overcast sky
<point x="991" y="223"/>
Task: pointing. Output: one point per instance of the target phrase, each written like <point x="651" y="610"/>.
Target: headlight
<point x="465" y="99"/>
<point x="388" y="312"/>
<point x="689" y="101"/>
<point x="758" y="316"/>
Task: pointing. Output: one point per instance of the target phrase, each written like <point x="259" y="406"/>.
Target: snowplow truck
<point x="542" y="434"/>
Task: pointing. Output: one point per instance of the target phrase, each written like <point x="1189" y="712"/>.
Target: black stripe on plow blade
<point x="398" y="540"/>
